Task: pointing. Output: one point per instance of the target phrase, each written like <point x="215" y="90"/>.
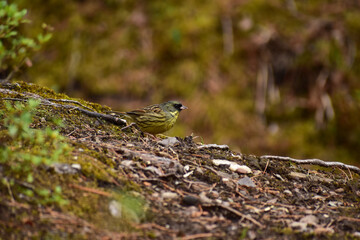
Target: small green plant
<point x="26" y="150"/>
<point x="15" y="48"/>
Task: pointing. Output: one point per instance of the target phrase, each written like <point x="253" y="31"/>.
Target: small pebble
<point x="64" y="168"/>
<point x="115" y="209"/>
<point x="186" y="168"/>
<point x="171" y="141"/>
<point x="190" y="211"/>
<point x="339" y="190"/>
<point x="204" y="198"/>
<point x="246" y="181"/>
<point x="310" y="219"/>
<point x="76" y="166"/>
<point x="169" y="195"/>
<point x="199" y="171"/>
<point x="332" y="193"/>
<point x="214" y="194"/>
<point x="288" y="192"/>
<point x="297" y="175"/>
<point x="190" y="200"/>
<point x="127" y="163"/>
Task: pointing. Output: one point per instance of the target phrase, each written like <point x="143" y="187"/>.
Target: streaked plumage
<point x="157" y="118"/>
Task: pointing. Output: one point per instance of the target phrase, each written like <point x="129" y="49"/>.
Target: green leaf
<point x="44" y="38"/>
<point x="13" y="130"/>
<point x="36" y="160"/>
<point x="33" y="103"/>
<point x="30" y="178"/>
<point x="28" y="42"/>
<point x="3" y="4"/>
<point x="58" y="189"/>
<point x="2" y="12"/>
<point x="11" y="34"/>
<point x="43" y="192"/>
<point x="29" y="193"/>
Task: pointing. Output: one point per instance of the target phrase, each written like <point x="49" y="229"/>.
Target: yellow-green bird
<point x="157" y="118"/>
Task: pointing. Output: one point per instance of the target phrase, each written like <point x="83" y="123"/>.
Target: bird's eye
<point x="177" y="105"/>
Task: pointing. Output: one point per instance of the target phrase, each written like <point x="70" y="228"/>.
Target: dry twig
<point x="199" y="235"/>
<point x="313" y="161"/>
<point x="47" y="102"/>
<point x="236" y="212"/>
<point x="91" y="190"/>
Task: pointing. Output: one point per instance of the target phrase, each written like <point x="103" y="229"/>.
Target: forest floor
<point x="127" y="185"/>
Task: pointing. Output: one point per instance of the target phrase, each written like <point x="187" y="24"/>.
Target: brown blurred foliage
<point x="264" y="76"/>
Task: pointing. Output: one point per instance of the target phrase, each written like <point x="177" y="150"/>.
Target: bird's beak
<point x="183" y="107"/>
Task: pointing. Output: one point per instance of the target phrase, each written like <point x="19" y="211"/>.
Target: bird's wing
<point x="138" y="112"/>
<point x="153" y="109"/>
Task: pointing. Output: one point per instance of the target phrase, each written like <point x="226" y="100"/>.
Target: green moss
<point x="212" y="177"/>
<point x="97" y="168"/>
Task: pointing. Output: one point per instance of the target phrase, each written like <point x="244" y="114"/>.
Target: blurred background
<point x="263" y="76"/>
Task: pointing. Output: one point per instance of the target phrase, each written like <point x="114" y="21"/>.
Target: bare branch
<point x="47" y="102"/>
<point x="313" y="161"/>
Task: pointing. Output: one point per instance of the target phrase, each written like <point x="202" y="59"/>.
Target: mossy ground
<point x="149" y="181"/>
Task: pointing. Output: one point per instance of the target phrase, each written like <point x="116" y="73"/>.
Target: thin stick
<point x="313" y="161"/>
<point x="347" y="177"/>
<point x="69" y="101"/>
<point x="91" y="190"/>
<point x="198" y="235"/>
<point x="9" y="189"/>
<point x="45" y="102"/>
<point x="267" y="164"/>
<point x="236" y="212"/>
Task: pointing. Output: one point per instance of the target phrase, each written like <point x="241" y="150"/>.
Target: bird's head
<point x="173" y="106"/>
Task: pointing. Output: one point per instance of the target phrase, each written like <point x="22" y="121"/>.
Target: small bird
<point x="157" y="118"/>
